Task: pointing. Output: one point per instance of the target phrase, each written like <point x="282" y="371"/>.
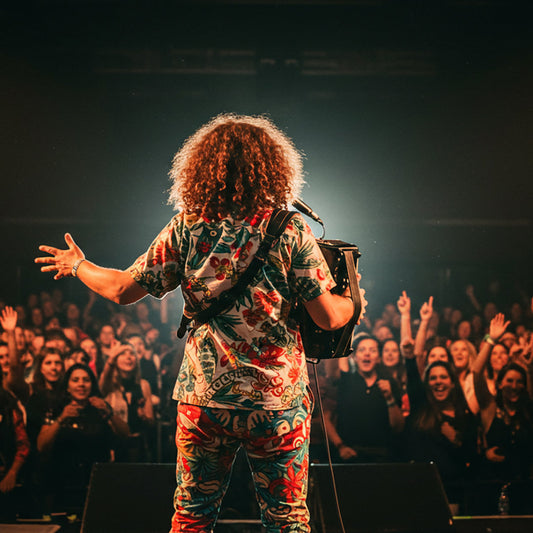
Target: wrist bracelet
<point x="391" y="403"/>
<point x="489" y="340"/>
<point x="76" y="266"/>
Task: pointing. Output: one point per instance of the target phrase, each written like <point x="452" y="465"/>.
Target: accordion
<point x="318" y="343"/>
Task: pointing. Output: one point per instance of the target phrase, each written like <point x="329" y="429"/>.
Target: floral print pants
<point x="277" y="446"/>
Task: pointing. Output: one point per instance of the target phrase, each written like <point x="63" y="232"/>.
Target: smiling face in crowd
<point x="440" y="383"/>
<point x="367" y="356"/>
<point x="127" y="360"/>
<point x="459" y="351"/>
<point x="79" y="385"/>
<point x="437" y="353"/>
<point x="390" y="353"/>
<point x="512" y="386"/>
<point x="52" y="368"/>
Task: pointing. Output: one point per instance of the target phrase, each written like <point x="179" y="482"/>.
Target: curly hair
<point x="235" y="165"/>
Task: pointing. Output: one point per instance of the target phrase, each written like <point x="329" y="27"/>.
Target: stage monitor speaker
<point x="380" y="498"/>
<point x="136" y="498"/>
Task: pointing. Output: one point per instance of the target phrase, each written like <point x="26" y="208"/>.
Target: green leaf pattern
<point x="249" y="356"/>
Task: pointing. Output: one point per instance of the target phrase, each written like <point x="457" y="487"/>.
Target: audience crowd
<point x="93" y="383"/>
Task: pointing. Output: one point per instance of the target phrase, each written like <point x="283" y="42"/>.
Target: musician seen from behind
<point x="243" y="381"/>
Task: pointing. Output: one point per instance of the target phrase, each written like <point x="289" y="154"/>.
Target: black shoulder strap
<point x="276" y="226"/>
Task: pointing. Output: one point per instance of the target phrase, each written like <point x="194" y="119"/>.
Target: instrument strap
<point x="276" y="226"/>
<point x="346" y="338"/>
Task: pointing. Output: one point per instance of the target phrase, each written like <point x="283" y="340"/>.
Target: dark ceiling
<point x="415" y="116"/>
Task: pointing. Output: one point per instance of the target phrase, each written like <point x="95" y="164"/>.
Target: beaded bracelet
<point x="489" y="340"/>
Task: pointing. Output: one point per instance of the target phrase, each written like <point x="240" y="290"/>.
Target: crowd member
<point x="5" y="366"/>
<point x="142" y="316"/>
<point x="149" y="371"/>
<point x="507" y="415"/>
<point x="55" y="338"/>
<point x="244" y="379"/>
<point x="13" y="366"/>
<point x="73" y="318"/>
<point x="37" y="320"/>
<point x="367" y="413"/>
<point x="130" y="398"/>
<point x="392" y="362"/>
<point x="464" y="354"/>
<point x="106" y="340"/>
<point x="441" y="428"/>
<point x="78" y="434"/>
<point x="46" y="390"/>
<point x="14" y="450"/>
<point x="95" y="357"/>
<point x="513" y="347"/>
<point x="464" y="330"/>
<point x="76" y="356"/>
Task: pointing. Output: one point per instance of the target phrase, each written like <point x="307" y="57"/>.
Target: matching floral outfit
<point x="243" y="381"/>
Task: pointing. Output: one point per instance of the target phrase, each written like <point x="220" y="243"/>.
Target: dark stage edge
<point x="461" y="524"/>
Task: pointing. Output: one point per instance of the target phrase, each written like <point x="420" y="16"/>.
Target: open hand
<point x="61" y="261"/>
<point x="8" y="319"/>
<point x="498" y="325"/>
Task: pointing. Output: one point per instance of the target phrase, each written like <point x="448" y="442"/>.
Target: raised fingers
<point x="47" y="259"/>
<point x="48" y="249"/>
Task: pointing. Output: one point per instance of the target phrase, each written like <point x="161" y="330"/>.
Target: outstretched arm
<point x="115" y="285"/>
<point x="404" y="306"/>
<point x="497" y="328"/>
<point x="425" y="314"/>
<point x="15" y="379"/>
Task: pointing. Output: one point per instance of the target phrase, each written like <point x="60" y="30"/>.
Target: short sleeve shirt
<point x="250" y="356"/>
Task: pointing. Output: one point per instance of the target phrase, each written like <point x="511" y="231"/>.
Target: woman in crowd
<point x="14" y="449"/>
<point x="47" y="392"/>
<point x="437" y="352"/>
<point x="463" y="354"/>
<point x="394" y="368"/>
<point x="131" y="399"/>
<point x="441" y="427"/>
<point x="79" y="436"/>
<point x="37" y="320"/>
<point x="392" y="362"/>
<point x="77" y="356"/>
<point x="506" y="411"/>
<point x="95" y="357"/>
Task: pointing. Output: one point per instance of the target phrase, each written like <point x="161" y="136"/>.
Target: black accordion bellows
<point x="318" y="343"/>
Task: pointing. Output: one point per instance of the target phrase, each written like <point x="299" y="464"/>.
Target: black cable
<point x="322" y="420"/>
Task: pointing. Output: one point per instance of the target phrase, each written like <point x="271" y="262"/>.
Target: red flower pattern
<point x="284" y="377"/>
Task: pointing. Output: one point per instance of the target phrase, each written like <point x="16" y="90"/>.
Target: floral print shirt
<point x="250" y="356"/>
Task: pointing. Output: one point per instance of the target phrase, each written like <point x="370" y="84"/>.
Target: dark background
<point x="415" y="117"/>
